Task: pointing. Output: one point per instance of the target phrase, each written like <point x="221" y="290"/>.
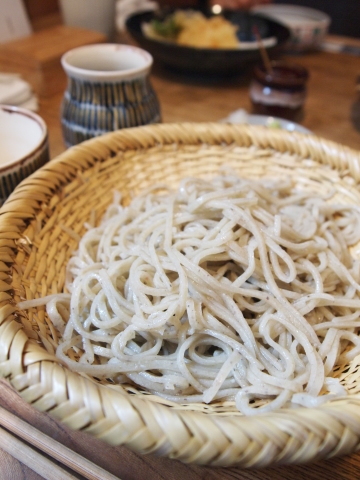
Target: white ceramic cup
<point x="23" y="146"/>
<point x="98" y="15"/>
<point x="108" y="88"/>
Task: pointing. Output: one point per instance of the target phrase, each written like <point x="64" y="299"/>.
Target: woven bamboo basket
<point x="37" y="226"/>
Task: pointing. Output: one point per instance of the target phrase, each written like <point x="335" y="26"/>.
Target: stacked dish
<point x="16" y="91"/>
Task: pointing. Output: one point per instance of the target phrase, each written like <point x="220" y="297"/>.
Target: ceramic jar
<point x="108" y="89"/>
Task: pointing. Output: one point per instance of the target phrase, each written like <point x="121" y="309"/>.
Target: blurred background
<point x="345" y="14"/>
<point x="31" y="70"/>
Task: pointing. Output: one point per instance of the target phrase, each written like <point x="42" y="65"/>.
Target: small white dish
<point x="23" y="146"/>
<point x="308" y="26"/>
<point x="241" y="116"/>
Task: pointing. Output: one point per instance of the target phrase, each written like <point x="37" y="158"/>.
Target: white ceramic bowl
<point x="23" y="146"/>
<point x="308" y="26"/>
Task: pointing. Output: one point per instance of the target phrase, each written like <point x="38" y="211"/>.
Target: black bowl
<point x="208" y="60"/>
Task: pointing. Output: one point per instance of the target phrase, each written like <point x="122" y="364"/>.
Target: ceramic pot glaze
<point x="108" y="89"/>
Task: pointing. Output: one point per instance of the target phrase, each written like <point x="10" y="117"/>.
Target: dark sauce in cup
<point x="280" y="92"/>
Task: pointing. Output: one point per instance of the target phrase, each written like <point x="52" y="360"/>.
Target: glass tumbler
<point x="280" y="91"/>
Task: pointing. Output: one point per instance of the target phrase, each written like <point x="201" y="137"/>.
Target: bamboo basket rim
<point x="136" y="421"/>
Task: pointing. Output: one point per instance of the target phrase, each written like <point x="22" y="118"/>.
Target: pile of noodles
<point x="230" y="289"/>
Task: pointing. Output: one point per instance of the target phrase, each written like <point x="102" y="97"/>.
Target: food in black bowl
<point x="213" y="44"/>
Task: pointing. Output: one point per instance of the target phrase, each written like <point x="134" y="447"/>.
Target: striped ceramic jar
<point x="108" y="89"/>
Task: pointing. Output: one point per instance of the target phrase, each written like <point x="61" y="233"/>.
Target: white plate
<point x="240" y="116"/>
<point x="276" y="122"/>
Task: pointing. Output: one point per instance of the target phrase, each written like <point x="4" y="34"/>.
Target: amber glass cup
<point x="279" y="91"/>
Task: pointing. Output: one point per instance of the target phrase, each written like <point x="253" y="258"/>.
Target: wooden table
<point x="331" y="94"/>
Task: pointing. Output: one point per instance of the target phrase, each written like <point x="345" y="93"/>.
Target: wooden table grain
<point x="331" y="95"/>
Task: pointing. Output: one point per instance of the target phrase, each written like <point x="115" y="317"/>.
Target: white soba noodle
<point x="230" y="289"/>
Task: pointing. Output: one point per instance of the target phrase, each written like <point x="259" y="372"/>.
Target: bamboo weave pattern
<point x="39" y="226"/>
